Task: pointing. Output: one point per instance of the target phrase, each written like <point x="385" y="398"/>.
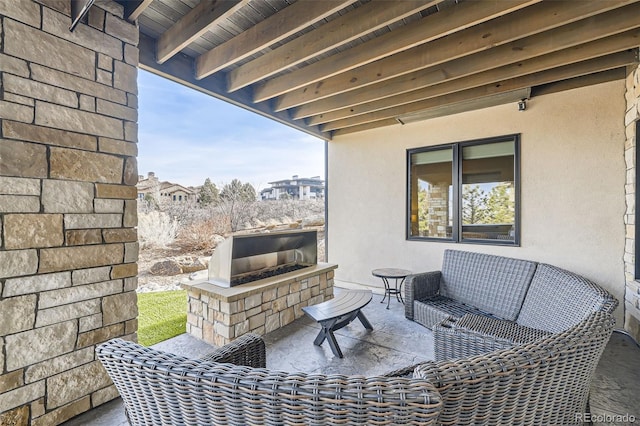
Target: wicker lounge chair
<point x="556" y="300"/>
<point x="468" y="283"/>
<point x="165" y="389"/>
<point x="543" y="382"/>
<point x="479" y="302"/>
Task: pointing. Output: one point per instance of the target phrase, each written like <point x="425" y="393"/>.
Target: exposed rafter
<point x="518" y="25"/>
<point x="332" y="67"/>
<point x="357" y="23"/>
<point x="585" y="80"/>
<point x="193" y="25"/>
<point x="615" y="60"/>
<point x="572" y="83"/>
<point x="134" y="8"/>
<point x="275" y="28"/>
<point x="601" y="47"/>
<point x="427" y="29"/>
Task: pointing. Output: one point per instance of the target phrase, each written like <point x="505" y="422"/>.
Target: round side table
<point x="391" y="273"/>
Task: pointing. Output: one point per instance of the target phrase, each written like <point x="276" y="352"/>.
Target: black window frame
<point x="457" y="147"/>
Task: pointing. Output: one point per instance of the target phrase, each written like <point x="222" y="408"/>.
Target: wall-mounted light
<point x="522" y="104"/>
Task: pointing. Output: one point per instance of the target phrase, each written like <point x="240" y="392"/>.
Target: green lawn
<point x="162" y="315"/>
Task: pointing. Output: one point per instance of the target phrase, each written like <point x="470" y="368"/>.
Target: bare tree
<point x="236" y="203"/>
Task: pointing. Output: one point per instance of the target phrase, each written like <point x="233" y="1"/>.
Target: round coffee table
<point x="391" y="273"/>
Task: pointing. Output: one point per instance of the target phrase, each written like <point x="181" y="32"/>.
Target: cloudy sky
<point x="186" y="136"/>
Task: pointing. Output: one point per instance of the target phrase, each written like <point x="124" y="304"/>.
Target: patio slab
<point x="616" y="385"/>
<point x="393" y="343"/>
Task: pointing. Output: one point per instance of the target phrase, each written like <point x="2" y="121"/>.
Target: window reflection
<point x="431" y="193"/>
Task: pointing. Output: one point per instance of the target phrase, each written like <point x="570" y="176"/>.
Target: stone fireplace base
<point x="219" y="315"/>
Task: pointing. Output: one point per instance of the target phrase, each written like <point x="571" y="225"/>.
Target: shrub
<point x="202" y="235"/>
<point x="156" y="229"/>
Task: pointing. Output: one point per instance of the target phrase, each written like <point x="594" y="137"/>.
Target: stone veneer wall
<point x="632" y="291"/>
<point x="220" y="320"/>
<point x="68" y="243"/>
<point x="438" y="210"/>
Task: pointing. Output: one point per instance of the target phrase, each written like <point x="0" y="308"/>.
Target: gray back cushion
<point x="559" y="299"/>
<point x="494" y="284"/>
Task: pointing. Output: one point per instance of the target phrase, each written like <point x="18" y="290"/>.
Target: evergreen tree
<point x="208" y="193"/>
<point x="474" y="205"/>
<point x="238" y="191"/>
<point x="500" y="204"/>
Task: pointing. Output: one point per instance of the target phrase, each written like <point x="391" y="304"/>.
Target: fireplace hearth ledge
<point x="219" y="315"/>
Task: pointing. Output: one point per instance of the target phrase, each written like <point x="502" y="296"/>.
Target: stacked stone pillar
<point x="632" y="116"/>
<point x="438" y="214"/>
<point x="68" y="244"/>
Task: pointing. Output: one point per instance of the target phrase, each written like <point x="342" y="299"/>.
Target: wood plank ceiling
<point x="332" y="67"/>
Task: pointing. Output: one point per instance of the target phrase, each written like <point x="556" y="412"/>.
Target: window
<point x="465" y="192"/>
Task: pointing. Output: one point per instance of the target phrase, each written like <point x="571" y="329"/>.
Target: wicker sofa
<point x="479" y="302"/>
<point x="231" y="386"/>
<point x="543" y="382"/>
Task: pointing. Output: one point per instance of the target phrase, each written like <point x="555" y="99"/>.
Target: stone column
<point x="632" y="290"/>
<point x="68" y="243"/>
<point x="438" y="197"/>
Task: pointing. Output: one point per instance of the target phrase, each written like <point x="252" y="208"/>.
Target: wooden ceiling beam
<point x="597" y="48"/>
<point x="275" y="28"/>
<point x="192" y="25"/>
<point x="513" y="52"/>
<point x="348" y="27"/>
<point x="517" y="25"/>
<point x="367" y="126"/>
<point x="446" y="21"/>
<point x="133" y="9"/>
<point x="576" y="82"/>
<point x="572" y="83"/>
<point x="591" y="66"/>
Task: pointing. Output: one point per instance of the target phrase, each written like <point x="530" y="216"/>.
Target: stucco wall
<point x="572" y="187"/>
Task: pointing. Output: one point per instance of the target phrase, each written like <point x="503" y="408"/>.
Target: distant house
<point x="162" y="191"/>
<point x="296" y="188"/>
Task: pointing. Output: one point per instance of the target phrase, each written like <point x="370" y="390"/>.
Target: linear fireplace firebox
<point x="241" y="259"/>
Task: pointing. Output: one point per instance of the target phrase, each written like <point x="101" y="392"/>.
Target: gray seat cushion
<point x="494" y="284"/>
<point x="559" y="299"/>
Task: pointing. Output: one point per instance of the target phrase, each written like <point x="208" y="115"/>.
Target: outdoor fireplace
<point x="257" y="283"/>
<point x="241" y="259"/>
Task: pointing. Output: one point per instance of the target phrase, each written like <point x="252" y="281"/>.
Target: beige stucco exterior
<point x="572" y="187"/>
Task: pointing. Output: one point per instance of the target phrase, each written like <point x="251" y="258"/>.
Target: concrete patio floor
<point x="394" y="343"/>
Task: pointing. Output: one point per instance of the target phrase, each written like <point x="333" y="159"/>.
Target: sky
<point x="186" y="136"/>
